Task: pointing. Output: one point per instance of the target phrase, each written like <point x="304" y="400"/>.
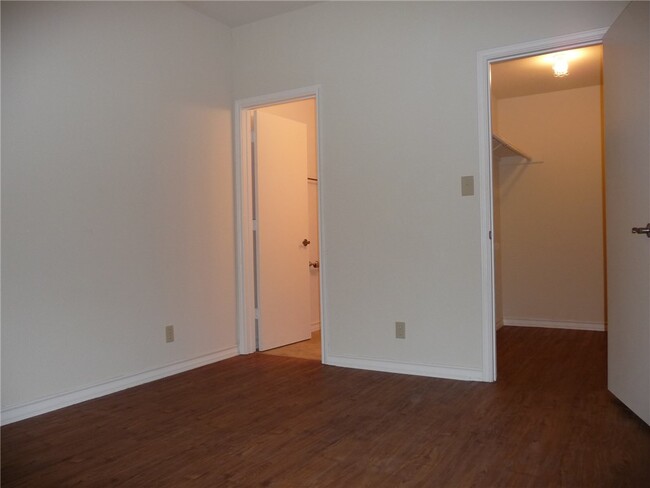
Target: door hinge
<point x="254" y="225"/>
<point x="490" y="235"/>
<point x="257" y="313"/>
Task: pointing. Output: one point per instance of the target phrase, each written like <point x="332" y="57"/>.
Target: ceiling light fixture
<point x="560" y="65"/>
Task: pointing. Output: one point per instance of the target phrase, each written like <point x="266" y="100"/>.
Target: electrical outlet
<point x="169" y="333"/>
<point x="400" y="330"/>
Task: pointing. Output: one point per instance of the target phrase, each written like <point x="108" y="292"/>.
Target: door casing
<point x="484" y="59"/>
<point x="244" y="214"/>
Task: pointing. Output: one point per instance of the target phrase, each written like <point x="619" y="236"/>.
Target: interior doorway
<point x="546" y="181"/>
<point x="279" y="248"/>
<point x="484" y="61"/>
<point x="625" y="97"/>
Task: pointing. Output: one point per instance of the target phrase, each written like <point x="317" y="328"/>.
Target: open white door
<point x="282" y="231"/>
<point x="627" y="133"/>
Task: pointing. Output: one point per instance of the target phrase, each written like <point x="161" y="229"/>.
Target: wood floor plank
<point x="264" y="420"/>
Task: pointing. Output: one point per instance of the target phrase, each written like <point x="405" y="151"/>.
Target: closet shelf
<point x="503" y="149"/>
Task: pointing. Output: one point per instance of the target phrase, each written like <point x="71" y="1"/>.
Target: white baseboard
<point x="554" y="324"/>
<point x="499" y="324"/>
<point x="315" y="326"/>
<point x="55" y="402"/>
<point x="445" y="372"/>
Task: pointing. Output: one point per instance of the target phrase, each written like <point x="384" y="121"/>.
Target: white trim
<point x="444" y="372"/>
<point x="499" y="323"/>
<point x="315" y="326"/>
<point x="485" y="189"/>
<point x="55" y="402"/>
<point x="484" y="58"/>
<point x="243" y="195"/>
<point x="554" y="324"/>
<point x="244" y="227"/>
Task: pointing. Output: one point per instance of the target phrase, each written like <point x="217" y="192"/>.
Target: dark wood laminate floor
<point x="264" y="420"/>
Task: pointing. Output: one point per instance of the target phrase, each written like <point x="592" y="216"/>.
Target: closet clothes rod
<point x="500" y="142"/>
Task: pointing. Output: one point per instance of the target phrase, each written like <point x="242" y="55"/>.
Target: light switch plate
<point x="467" y="186"/>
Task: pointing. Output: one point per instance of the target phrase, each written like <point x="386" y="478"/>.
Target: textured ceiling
<point x="234" y="14"/>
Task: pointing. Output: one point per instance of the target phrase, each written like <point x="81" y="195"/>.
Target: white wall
<point x="117" y="192"/>
<point x="304" y="111"/>
<point x="117" y="201"/>
<point x="399" y="129"/>
<point x="551" y="236"/>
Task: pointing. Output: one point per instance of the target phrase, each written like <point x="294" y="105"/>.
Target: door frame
<point x="244" y="213"/>
<point x="484" y="59"/>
